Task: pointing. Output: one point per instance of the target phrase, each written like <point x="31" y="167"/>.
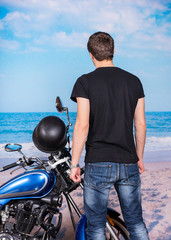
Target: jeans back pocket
<point x="98" y="174"/>
<point x="132" y="174"/>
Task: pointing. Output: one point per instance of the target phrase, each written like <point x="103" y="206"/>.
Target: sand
<point x="156" y="201"/>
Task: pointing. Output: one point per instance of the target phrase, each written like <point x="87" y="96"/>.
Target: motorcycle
<point x="30" y="202"/>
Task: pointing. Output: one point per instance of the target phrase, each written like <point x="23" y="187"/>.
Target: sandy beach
<point x="156" y="200"/>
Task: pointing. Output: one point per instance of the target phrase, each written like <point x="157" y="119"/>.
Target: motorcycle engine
<point x="26" y="215"/>
<point x="24" y="219"/>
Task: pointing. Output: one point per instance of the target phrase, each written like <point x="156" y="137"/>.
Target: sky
<point x="43" y="49"/>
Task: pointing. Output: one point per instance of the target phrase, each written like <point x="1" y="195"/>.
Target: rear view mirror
<point x="62" y="109"/>
<point x="12" y="147"/>
<point x="59" y="105"/>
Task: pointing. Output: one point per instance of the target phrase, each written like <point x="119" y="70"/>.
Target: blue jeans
<point x="98" y="179"/>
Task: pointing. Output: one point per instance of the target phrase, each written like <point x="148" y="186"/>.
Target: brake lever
<point x="15" y="169"/>
<point x="22" y="162"/>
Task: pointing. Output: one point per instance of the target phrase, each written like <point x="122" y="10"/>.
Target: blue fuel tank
<point x="30" y="184"/>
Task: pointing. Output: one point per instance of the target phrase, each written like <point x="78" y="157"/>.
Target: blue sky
<point x="43" y="48"/>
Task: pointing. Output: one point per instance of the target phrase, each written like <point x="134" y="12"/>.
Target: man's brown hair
<point x="101" y="46"/>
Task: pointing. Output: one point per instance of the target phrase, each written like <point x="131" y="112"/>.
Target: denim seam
<point x="118" y="171"/>
<point x="109" y="171"/>
<point x="91" y="164"/>
<point x="126" y="172"/>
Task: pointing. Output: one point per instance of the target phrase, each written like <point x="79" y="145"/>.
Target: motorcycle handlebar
<point x="8" y="166"/>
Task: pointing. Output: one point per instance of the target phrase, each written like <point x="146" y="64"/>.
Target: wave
<point x="11" y="131"/>
<point x="29" y="149"/>
<point x="158" y="144"/>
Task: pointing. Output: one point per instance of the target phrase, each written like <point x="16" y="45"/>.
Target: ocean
<point x="18" y="128"/>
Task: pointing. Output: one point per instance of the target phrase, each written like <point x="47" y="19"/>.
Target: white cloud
<point x="9" y="44"/>
<point x="62" y="39"/>
<point x="25" y="25"/>
<point x="72" y="40"/>
<point x="156" y="41"/>
<point x="17" y="23"/>
<point x="67" y="23"/>
<point x="36" y="49"/>
<point x="16" y="15"/>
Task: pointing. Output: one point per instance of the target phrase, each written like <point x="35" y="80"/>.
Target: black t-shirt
<point x="113" y="94"/>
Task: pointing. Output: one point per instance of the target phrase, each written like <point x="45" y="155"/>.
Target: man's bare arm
<point x="140" y="131"/>
<point x="80" y="135"/>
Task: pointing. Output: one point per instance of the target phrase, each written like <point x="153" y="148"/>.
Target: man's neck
<point x="104" y="63"/>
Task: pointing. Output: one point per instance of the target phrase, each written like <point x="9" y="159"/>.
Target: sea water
<point x="18" y="128"/>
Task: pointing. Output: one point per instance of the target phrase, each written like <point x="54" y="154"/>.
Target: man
<point x="108" y="100"/>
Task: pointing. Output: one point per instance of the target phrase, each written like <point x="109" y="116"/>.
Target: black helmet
<point x="50" y="134"/>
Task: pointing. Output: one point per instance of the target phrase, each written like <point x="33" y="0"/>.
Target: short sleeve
<point x="140" y="90"/>
<point x="80" y="89"/>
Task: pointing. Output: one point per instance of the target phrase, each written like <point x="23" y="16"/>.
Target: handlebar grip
<point x="8" y="166"/>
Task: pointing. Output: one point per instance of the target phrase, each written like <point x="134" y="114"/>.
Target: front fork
<point x="108" y="226"/>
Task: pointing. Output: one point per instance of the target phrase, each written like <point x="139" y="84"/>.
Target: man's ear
<point x="92" y="57"/>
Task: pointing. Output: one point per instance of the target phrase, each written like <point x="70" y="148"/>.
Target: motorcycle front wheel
<point x="115" y="223"/>
<point x="119" y="228"/>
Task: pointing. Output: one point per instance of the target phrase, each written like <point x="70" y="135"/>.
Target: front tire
<point x="117" y="225"/>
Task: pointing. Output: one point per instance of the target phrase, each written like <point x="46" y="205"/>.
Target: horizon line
<point x="73" y="111"/>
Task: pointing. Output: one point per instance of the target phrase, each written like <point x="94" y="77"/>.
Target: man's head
<point x="101" y="46"/>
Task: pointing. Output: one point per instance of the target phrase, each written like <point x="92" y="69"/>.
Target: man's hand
<point x="75" y="175"/>
<point x="141" y="166"/>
